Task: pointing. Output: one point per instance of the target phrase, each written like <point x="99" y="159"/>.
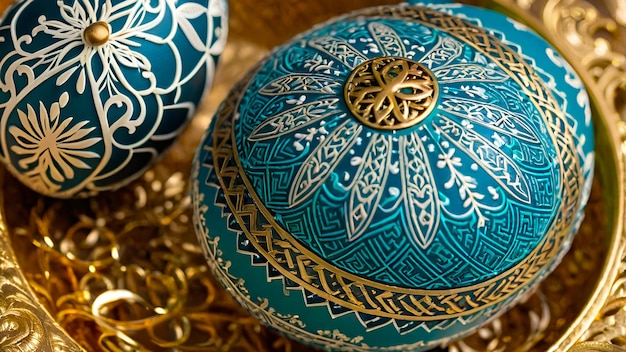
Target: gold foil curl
<point x="127" y="265"/>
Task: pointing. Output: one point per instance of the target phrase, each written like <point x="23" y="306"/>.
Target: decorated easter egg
<point x="93" y="91"/>
<point x="395" y="178"/>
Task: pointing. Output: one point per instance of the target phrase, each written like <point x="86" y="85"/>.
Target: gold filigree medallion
<point x="390" y="93"/>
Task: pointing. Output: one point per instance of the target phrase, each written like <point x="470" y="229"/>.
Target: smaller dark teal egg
<point x="93" y="91"/>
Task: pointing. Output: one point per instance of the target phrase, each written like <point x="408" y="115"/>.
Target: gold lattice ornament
<point x="390" y="92"/>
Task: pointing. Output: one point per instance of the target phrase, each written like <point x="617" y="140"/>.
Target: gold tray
<point x="123" y="272"/>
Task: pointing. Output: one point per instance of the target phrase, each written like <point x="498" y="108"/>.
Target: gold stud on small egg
<point x="96" y="33"/>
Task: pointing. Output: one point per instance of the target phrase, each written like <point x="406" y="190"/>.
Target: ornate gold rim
<point x="603" y="71"/>
<point x="20" y="309"/>
<point x="591" y="43"/>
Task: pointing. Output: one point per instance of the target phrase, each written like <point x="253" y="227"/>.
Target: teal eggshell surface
<point x="395" y="178"/>
<point x="93" y="91"/>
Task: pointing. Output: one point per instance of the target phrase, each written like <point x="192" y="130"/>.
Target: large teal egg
<point x="93" y="91"/>
<point x="395" y="178"/>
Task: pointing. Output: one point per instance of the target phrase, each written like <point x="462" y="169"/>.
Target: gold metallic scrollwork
<point x="24" y="325"/>
<point x="594" y="346"/>
<point x="608" y="331"/>
<point x="390" y="93"/>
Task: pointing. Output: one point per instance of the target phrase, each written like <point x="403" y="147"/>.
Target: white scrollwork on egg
<point x="134" y="71"/>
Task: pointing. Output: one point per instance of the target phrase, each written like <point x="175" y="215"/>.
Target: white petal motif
<point x="420" y="197"/>
<point x="184" y="13"/>
<point x="367" y="190"/>
<point x="320" y="164"/>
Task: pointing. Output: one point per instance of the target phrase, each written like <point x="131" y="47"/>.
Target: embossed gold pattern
<point x="580" y="304"/>
<point x="24" y="325"/>
<point x="390" y="93"/>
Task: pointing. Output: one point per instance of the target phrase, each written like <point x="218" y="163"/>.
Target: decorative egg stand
<point x="126" y="263"/>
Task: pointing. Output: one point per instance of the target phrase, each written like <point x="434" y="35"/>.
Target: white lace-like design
<point x="123" y="100"/>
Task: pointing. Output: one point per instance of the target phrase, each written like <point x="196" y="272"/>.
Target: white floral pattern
<point x="47" y="140"/>
<point x="137" y="89"/>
